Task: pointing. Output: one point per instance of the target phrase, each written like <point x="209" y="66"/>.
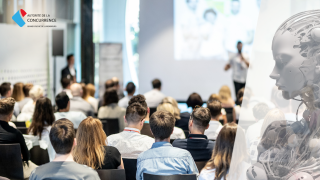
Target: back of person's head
<point x="90" y="141"/>
<point x="271" y="116"/>
<point x="109" y="84"/>
<point x="26" y="88"/>
<point x="139" y="99"/>
<point x="76" y="89"/>
<point x="130" y="88"/>
<point x="214" y="97"/>
<point x="90" y="89"/>
<point x="42" y="116"/>
<point x="174" y="103"/>
<point x="135" y="113"/>
<point x="36" y="92"/>
<point x="156" y="84"/>
<point x="115" y="81"/>
<point x="166" y="107"/>
<point x="85" y="94"/>
<point x="215" y="108"/>
<point x="225" y="93"/>
<point x="194" y="99"/>
<point x="65" y="82"/>
<point x="110" y="96"/>
<point x="17" y="93"/>
<point x="162" y="124"/>
<point x="5" y="88"/>
<point x="62" y="100"/>
<point x="6" y="106"/>
<point x="62" y="136"/>
<point x="222" y="152"/>
<point x="201" y="117"/>
<point x="260" y="110"/>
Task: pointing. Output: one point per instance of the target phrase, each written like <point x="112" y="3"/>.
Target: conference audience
<point x="42" y="120"/>
<point x="177" y="132"/>
<point x="197" y="143"/>
<point x="66" y="84"/>
<point x="28" y="109"/>
<point x="17" y="93"/>
<point x="91" y="90"/>
<point x="63" y="112"/>
<point x="77" y="103"/>
<point x="6" y="91"/>
<point x="162" y="158"/>
<point x="214" y="124"/>
<point x="99" y="156"/>
<point x="155" y="96"/>
<point x="193" y="100"/>
<point x="26" y="88"/>
<point x="130" y="142"/>
<point x="62" y="137"/>
<point x="110" y="108"/>
<point x="131" y="89"/>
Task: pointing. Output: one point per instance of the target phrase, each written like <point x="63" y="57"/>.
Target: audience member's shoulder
<point x="179" y="142"/>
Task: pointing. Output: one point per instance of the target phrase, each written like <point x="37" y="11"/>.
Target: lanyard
<point x="131" y="130"/>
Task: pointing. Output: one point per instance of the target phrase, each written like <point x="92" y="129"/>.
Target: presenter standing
<point x="239" y="64"/>
<point x="69" y="71"/>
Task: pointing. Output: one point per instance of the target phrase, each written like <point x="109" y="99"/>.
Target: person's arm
<point x="244" y="60"/>
<point x="227" y="67"/>
<point x="192" y="166"/>
<point x="139" y="173"/>
<point x="23" y="146"/>
<point x="121" y="165"/>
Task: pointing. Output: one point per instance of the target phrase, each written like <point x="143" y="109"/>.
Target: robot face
<point x="301" y="176"/>
<point x="289" y="78"/>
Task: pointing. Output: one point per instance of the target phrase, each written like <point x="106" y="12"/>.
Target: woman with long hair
<point x="92" y="150"/>
<point x="225" y="96"/>
<point x="90" y="90"/>
<point x="17" y="93"/>
<point x="219" y="167"/>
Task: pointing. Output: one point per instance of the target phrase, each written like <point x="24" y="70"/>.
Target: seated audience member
<point x="131" y="89"/>
<point x="177" y="132"/>
<point x="6" y="91"/>
<point x="108" y="85"/>
<point x="155" y="96"/>
<point x="8" y="134"/>
<point x="63" y="105"/>
<point x="99" y="156"/>
<point x="62" y="137"/>
<point x="27" y="111"/>
<point x="66" y="84"/>
<point x="174" y="103"/>
<point x="193" y="100"/>
<point x="42" y="121"/>
<point x="27" y="98"/>
<point x="225" y="96"/>
<point x="90" y="90"/>
<point x="116" y="86"/>
<point x="162" y="158"/>
<point x="17" y="93"/>
<point x="110" y="108"/>
<point x="216" y="97"/>
<point x="214" y="125"/>
<point x="77" y="103"/>
<point x="260" y="110"/>
<point x="220" y="165"/>
<point x="197" y="143"/>
<point x="130" y="142"/>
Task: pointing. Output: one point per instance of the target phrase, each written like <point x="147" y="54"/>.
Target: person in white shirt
<point x="239" y="63"/>
<point x="130" y="142"/>
<point x="27" y="111"/>
<point x="260" y="110"/>
<point x="155" y="96"/>
<point x="63" y="104"/>
<point x="214" y="125"/>
<point x="6" y="91"/>
<point x="26" y="89"/>
<point x="66" y="83"/>
<point x="131" y="89"/>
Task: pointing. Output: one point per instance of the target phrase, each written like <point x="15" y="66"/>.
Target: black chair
<point x="10" y="161"/>
<point x="21" y="126"/>
<point x="200" y="164"/>
<point x="146" y="130"/>
<point x="171" y="140"/>
<point x="39" y="156"/>
<point x="171" y="177"/>
<point x="186" y="132"/>
<point x="130" y="166"/>
<point x="221" y="121"/>
<point x="112" y="174"/>
<point x="229" y="114"/>
<point x="152" y="110"/>
<point x="110" y="126"/>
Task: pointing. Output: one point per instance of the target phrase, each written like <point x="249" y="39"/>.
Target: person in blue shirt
<point x="162" y="158"/>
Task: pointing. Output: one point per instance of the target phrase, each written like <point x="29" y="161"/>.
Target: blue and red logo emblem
<point x="17" y="17"/>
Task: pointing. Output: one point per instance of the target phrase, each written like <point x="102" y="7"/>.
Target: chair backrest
<point x="10" y="161"/>
<point x="39" y="156"/>
<point x="146" y="130"/>
<point x="171" y="140"/>
<point x="170" y="177"/>
<point x="21" y="126"/>
<point x="110" y="125"/>
<point x="111" y="174"/>
<point x="200" y="164"/>
<point x="221" y="121"/>
<point x="130" y="166"/>
<point x="152" y="110"/>
<point x="229" y="114"/>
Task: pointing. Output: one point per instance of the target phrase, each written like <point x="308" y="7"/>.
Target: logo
<point x="17" y="17"/>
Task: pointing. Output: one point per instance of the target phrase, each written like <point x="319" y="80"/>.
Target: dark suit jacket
<point x="65" y="72"/>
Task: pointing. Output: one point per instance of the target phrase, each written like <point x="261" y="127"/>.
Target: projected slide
<point x="210" y="29"/>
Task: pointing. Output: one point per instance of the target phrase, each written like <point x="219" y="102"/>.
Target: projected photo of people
<point x="209" y="29"/>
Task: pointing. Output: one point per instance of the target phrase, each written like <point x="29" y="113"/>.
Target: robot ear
<point x="315" y="34"/>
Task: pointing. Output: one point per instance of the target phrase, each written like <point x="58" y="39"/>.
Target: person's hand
<point x="227" y="67"/>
